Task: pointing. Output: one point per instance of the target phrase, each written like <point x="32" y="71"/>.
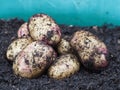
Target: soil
<point x="107" y="79"/>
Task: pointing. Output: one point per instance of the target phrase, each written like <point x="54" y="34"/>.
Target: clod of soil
<point x="107" y="79"/>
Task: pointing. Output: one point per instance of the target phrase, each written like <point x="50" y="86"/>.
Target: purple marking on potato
<point x="23" y="31"/>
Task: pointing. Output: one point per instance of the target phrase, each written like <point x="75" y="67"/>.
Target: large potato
<point x="91" y="50"/>
<point x="64" y="66"/>
<point x="43" y="27"/>
<point x="16" y="46"/>
<point x="64" y="46"/>
<point x="34" y="60"/>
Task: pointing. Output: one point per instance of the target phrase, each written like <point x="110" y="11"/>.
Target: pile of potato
<point x="33" y="54"/>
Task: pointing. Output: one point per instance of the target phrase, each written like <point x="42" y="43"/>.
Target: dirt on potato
<point x="107" y="79"/>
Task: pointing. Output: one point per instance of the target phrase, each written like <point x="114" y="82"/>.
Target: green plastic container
<point x="70" y="12"/>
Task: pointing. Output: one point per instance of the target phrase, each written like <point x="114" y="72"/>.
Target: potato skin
<point x="64" y="66"/>
<point x="23" y="31"/>
<point x="34" y="60"/>
<point x="43" y="28"/>
<point x="91" y="50"/>
<point x="16" y="46"/>
<point x="64" y="46"/>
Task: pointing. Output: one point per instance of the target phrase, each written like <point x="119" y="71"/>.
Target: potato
<point x="16" y="46"/>
<point x="64" y="46"/>
<point x="64" y="66"/>
<point x="34" y="60"/>
<point x="43" y="28"/>
<point x="91" y="49"/>
<point x="23" y="31"/>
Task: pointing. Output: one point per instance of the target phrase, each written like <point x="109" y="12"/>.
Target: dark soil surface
<point x="108" y="79"/>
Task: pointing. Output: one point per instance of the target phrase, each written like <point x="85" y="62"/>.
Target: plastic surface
<point x="75" y="12"/>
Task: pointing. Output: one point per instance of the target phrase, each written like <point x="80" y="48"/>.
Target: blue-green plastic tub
<point x="75" y="12"/>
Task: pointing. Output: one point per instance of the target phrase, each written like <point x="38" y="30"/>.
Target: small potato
<point x="91" y="50"/>
<point x="16" y="46"/>
<point x="64" y="46"/>
<point x="23" y="31"/>
<point x="34" y="60"/>
<point x="65" y="66"/>
<point x="43" y="28"/>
